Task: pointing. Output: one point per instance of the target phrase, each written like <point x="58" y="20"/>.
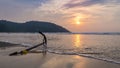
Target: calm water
<point x="102" y="47"/>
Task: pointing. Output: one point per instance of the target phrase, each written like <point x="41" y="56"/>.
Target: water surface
<point x="102" y="47"/>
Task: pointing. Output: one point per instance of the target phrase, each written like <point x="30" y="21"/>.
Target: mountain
<point x="30" y="26"/>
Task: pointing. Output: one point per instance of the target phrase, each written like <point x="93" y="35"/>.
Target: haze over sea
<point x="102" y="46"/>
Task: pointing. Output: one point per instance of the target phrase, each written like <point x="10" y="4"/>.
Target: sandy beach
<point x="37" y="60"/>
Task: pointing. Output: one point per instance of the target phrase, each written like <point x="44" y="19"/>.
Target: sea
<point x="100" y="46"/>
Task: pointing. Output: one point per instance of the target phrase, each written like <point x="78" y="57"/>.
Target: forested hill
<point x="30" y="26"/>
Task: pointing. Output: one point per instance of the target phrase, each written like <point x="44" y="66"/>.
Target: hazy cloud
<point x="11" y="9"/>
<point x="31" y="2"/>
<point x="86" y="3"/>
<point x="51" y="11"/>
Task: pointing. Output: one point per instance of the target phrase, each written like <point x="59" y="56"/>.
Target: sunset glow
<point x="74" y="15"/>
<point x="77" y="20"/>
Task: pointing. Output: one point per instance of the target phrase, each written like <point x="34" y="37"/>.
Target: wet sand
<point x="37" y="60"/>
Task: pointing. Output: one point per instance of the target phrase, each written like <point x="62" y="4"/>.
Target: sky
<point x="75" y="15"/>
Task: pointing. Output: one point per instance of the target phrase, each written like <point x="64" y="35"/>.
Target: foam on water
<point x="84" y="54"/>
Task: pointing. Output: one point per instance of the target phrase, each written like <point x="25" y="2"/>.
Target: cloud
<point x="51" y="11"/>
<point x="14" y="9"/>
<point x="85" y="3"/>
<point x="31" y="2"/>
<point x="92" y="12"/>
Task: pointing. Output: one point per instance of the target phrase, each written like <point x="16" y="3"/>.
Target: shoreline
<point x="37" y="60"/>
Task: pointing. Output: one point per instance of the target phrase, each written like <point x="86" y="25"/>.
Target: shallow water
<point x="102" y="47"/>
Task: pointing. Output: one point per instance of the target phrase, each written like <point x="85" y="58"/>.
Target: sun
<point x="77" y="20"/>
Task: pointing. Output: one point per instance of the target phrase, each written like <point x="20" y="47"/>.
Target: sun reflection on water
<point x="77" y="41"/>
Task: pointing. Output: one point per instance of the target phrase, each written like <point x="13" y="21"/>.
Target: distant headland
<point x="30" y="26"/>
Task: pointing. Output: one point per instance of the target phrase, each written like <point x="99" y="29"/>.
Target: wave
<point x="87" y="54"/>
<point x="83" y="54"/>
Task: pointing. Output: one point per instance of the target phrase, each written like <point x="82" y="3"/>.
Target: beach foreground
<point x="37" y="60"/>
